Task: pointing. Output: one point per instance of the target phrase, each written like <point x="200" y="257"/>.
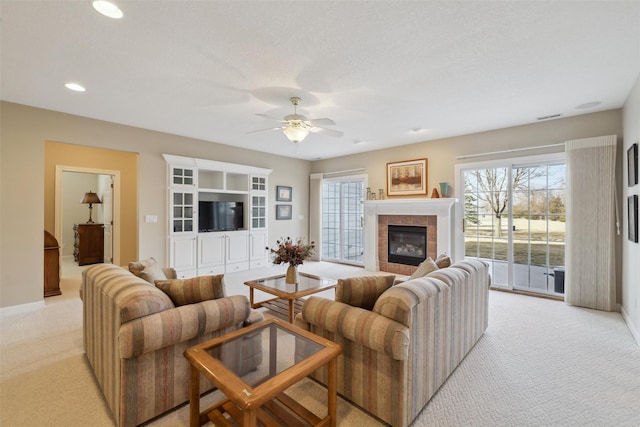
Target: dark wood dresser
<point x="51" y="265"/>
<point x="89" y="243"/>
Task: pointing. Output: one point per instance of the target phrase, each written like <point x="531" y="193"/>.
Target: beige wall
<point x="630" y="251"/>
<point x="23" y="133"/>
<point x="25" y="129"/>
<point x="442" y="153"/>
<point x="60" y="154"/>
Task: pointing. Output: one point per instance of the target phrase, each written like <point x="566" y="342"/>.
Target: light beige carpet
<point x="540" y="363"/>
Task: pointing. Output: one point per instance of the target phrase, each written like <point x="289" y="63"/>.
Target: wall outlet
<point x="151" y="218"/>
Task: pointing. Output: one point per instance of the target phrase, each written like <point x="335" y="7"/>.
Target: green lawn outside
<point x="498" y="250"/>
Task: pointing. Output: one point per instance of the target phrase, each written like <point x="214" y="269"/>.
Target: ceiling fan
<point x="296" y="127"/>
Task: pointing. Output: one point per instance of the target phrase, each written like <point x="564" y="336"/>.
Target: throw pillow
<point x="153" y="272"/>
<point x="362" y="291"/>
<point x="443" y="261"/>
<point x="194" y="290"/>
<point x="136" y="267"/>
<point x="425" y="267"/>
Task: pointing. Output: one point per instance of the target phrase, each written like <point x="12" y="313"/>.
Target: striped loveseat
<point x="135" y="337"/>
<point x="400" y="350"/>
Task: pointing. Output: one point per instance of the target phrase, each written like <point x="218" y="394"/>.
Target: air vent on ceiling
<point x="553" y="116"/>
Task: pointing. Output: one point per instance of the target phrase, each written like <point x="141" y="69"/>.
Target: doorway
<point x="514" y="219"/>
<point x="70" y="185"/>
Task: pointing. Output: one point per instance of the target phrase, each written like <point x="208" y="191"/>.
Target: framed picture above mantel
<point x="407" y="178"/>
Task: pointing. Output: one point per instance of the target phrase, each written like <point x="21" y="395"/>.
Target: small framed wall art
<point x="407" y="178"/>
<point x="283" y="211"/>
<point x="632" y="216"/>
<point x="283" y="194"/>
<point x="632" y="164"/>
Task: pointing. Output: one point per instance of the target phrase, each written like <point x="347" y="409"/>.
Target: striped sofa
<point x="135" y="337"/>
<point x="399" y="352"/>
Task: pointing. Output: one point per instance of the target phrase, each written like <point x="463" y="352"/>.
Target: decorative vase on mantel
<point x="444" y="189"/>
<point x="292" y="274"/>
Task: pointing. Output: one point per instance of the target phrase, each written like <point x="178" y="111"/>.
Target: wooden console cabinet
<point x="51" y="265"/>
<point x="89" y="243"/>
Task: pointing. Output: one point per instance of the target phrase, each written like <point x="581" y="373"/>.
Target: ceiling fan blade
<point x="262" y="130"/>
<point x="321" y="122"/>
<point x="266" y="116"/>
<point x="330" y="132"/>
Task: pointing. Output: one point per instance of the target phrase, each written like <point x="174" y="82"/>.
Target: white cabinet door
<point x="211" y="249"/>
<point x="237" y="246"/>
<point x="258" y="246"/>
<point x="182" y="252"/>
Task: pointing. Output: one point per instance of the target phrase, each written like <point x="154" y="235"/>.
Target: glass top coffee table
<point x="287" y="301"/>
<point x="253" y="366"/>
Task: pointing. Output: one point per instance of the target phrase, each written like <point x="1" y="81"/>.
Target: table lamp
<point x="90" y="198"/>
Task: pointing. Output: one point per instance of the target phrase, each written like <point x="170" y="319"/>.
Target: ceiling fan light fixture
<point x="296" y="131"/>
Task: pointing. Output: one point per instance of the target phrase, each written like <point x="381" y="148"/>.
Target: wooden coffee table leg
<point x="291" y="301"/>
<point x="332" y="389"/>
<point x="249" y="418"/>
<point x="194" y="397"/>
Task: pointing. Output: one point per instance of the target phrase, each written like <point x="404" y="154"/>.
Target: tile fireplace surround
<point x="438" y="215"/>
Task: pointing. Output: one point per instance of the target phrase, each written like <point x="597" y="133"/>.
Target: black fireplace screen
<point x="407" y="244"/>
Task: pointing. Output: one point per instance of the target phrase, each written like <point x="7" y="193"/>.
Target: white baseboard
<point x="630" y="325"/>
<point x="20" y="309"/>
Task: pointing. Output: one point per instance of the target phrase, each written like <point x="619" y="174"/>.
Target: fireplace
<point x="437" y="215"/>
<point x="407" y="244"/>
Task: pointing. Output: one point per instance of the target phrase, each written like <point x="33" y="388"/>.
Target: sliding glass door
<point x="514" y="218"/>
<point x="342" y="220"/>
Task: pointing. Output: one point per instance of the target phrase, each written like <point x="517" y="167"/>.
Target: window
<point x="342" y="219"/>
<point x="514" y="218"/>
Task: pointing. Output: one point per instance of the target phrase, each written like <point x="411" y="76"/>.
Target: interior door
<point x="106" y="190"/>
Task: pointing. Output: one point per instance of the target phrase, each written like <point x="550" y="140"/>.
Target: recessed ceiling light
<point x="357" y="141"/>
<point x="75" y="87"/>
<point x="588" y="105"/>
<point x="107" y="9"/>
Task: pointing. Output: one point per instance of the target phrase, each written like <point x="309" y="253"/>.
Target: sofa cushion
<point x="362" y="291"/>
<point x="147" y="269"/>
<point x="194" y="290"/>
<point x="425" y="267"/>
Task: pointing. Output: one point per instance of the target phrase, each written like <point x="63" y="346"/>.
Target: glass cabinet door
<point x="182" y="212"/>
<point x="258" y="212"/>
<point x="258" y="183"/>
<point x="182" y="176"/>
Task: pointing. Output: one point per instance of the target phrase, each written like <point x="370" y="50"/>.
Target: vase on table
<point x="292" y="274"/>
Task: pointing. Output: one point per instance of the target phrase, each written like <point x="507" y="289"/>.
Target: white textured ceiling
<point x="379" y="69"/>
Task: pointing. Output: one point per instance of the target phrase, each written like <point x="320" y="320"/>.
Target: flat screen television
<point x="220" y="216"/>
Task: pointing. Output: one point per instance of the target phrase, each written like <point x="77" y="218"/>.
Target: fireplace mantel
<point x="443" y="208"/>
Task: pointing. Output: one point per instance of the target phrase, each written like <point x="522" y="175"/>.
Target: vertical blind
<point x="590" y="252"/>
